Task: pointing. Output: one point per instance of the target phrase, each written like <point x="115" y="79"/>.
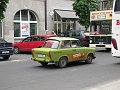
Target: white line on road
<point x="11" y="61"/>
<point x="74" y="69"/>
<point x="18" y="60"/>
<point x="109" y="86"/>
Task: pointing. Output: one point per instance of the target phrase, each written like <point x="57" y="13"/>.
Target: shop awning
<point x="67" y="14"/>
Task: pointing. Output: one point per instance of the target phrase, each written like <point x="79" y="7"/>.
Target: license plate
<point x="41" y="56"/>
<point x="5" y="52"/>
<point x="100" y="42"/>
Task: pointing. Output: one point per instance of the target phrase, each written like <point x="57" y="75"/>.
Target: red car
<point x="27" y="44"/>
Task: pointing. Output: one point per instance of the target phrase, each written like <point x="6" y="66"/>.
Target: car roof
<point x="44" y="35"/>
<point x="62" y="38"/>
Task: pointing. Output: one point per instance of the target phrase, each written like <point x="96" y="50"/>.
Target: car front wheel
<point x="89" y="59"/>
<point x="16" y="50"/>
<point x="6" y="57"/>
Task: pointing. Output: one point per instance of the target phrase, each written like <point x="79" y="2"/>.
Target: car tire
<point x="6" y="57"/>
<point x="89" y="59"/>
<point x="108" y="49"/>
<point x="62" y="62"/>
<point x="16" y="50"/>
<point x="44" y="63"/>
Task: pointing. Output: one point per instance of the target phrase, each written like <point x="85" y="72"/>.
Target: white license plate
<point x="41" y="56"/>
<point x="5" y="52"/>
<point x="100" y="42"/>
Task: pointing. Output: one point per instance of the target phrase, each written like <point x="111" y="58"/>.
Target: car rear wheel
<point x="6" y="57"/>
<point x="108" y="49"/>
<point x="89" y="59"/>
<point x="62" y="62"/>
<point x="16" y="50"/>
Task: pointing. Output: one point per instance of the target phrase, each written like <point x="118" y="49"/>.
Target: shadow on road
<point x="104" y="51"/>
<point x="1" y="59"/>
<point x="71" y="64"/>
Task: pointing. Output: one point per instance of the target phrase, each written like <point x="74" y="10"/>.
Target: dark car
<point x="84" y="39"/>
<point x="6" y="49"/>
<point x="28" y="43"/>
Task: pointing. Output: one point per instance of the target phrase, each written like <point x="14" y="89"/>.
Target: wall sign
<point x="101" y="15"/>
<point x="25" y="31"/>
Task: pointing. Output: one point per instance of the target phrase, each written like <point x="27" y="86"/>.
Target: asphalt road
<point x="21" y="73"/>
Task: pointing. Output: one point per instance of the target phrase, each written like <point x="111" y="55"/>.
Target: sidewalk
<point x="109" y="86"/>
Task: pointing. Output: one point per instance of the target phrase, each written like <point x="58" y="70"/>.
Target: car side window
<point x="43" y="38"/>
<point x="27" y="39"/>
<point x="35" y="38"/>
<point x="75" y="43"/>
<point x="65" y="44"/>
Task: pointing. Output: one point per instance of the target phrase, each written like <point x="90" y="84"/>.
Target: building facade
<point x="29" y="17"/>
<point x="22" y="19"/>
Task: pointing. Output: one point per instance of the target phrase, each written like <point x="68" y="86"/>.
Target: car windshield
<point x="51" y="44"/>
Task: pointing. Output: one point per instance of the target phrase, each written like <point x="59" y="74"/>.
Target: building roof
<point x="66" y="14"/>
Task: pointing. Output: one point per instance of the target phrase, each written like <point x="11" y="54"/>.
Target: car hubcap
<point x="89" y="59"/>
<point x="16" y="50"/>
<point x="63" y="63"/>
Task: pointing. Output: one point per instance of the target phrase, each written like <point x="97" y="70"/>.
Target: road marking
<point x="18" y="60"/>
<point x="115" y="85"/>
<point x="11" y="61"/>
<point x="74" y="69"/>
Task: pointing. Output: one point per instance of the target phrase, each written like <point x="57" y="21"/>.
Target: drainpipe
<point x="45" y="14"/>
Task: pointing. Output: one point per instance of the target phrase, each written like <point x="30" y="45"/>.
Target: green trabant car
<point x="62" y="50"/>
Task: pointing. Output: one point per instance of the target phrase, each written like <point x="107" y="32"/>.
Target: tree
<point x="83" y="8"/>
<point x="3" y="6"/>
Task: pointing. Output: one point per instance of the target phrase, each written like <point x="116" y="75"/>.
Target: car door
<point x="37" y="41"/>
<point x="67" y="50"/>
<point x="78" y="51"/>
<point x="34" y="43"/>
<point x="24" y="45"/>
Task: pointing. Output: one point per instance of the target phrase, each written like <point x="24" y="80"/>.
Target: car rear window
<point x="51" y="44"/>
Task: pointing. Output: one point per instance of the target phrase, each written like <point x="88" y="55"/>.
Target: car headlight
<point x="90" y="41"/>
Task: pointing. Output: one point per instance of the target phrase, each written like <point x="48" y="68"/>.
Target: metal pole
<point x="45" y="14"/>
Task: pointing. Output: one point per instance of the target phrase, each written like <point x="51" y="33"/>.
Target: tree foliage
<point x="3" y="6"/>
<point x="83" y="8"/>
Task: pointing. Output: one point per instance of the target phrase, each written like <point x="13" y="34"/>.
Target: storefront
<point x="101" y="29"/>
<point x="64" y="20"/>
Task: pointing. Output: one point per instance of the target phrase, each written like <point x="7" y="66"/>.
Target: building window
<point x="61" y="25"/>
<point x="0" y="29"/>
<point x="107" y="5"/>
<point x="25" y="23"/>
<point x="117" y="5"/>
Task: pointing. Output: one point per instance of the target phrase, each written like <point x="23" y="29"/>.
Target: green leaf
<point x="83" y="8"/>
<point x="3" y="6"/>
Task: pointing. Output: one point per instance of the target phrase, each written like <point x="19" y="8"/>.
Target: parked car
<point x="27" y="44"/>
<point x="6" y="49"/>
<point x="62" y="50"/>
<point x="84" y="38"/>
